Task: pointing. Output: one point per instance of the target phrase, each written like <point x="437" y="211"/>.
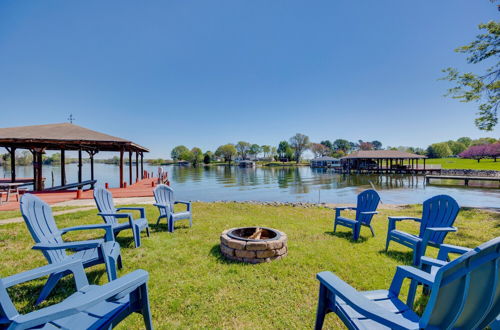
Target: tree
<point x="186" y="155"/>
<point x="254" y="150"/>
<point x="466" y="141"/>
<point x="482" y="141"/>
<point x="207" y="157"/>
<point x="319" y="149"/>
<point x="285" y="152"/>
<point x="483" y="88"/>
<point x="177" y="151"/>
<point x="266" y="150"/>
<point x="341" y="144"/>
<point x="377" y="145"/>
<point x="477" y="152"/>
<point x="299" y="143"/>
<point x="274" y="152"/>
<point x="439" y="150"/>
<point x="328" y="144"/>
<point x="243" y="148"/>
<point x="456" y="147"/>
<point x="197" y="156"/>
<point x="493" y="150"/>
<point x="365" y="145"/>
<point x="226" y="151"/>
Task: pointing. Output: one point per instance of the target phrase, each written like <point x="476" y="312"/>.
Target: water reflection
<point x="210" y="183"/>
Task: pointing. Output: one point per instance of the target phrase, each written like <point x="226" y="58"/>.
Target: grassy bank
<point x="191" y="286"/>
<point x="465" y="164"/>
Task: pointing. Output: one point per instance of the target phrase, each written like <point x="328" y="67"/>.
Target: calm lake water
<point x="281" y="184"/>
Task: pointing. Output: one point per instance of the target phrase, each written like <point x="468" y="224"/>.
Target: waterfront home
<point x="245" y="163"/>
<point x="325" y="162"/>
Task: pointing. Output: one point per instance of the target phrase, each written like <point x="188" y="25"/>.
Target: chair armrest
<point x="426" y="261"/>
<point x="119" y="287"/>
<point x="119" y="216"/>
<point x="369" y="212"/>
<point x="412" y="273"/>
<point x="140" y="209"/>
<point x="360" y="303"/>
<point x="404" y="218"/>
<point x="345" y="208"/>
<point x="108" y="228"/>
<point x="74" y="266"/>
<point x="439" y="229"/>
<point x="188" y="204"/>
<point x="160" y="205"/>
<point x="68" y="245"/>
<point x="446" y="249"/>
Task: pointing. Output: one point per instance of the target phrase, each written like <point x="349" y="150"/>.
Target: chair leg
<point x="371" y="229"/>
<point x="334" y="226"/>
<point x="170" y="225"/>
<point x="322" y="307"/>
<point x="158" y="221"/>
<point x="48" y="287"/>
<point x="190" y="221"/>
<point x="356" y="231"/>
<point x="147" y="231"/>
<point x="111" y="268"/>
<point x="145" y="310"/>
<point x="387" y="241"/>
<point x="119" y="262"/>
<point x="137" y="236"/>
<point x="416" y="255"/>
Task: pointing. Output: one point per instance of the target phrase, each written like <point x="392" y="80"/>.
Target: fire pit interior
<point x="253" y="244"/>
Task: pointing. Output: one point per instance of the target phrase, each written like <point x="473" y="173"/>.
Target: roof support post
<point x="91" y="155"/>
<point x="424" y="165"/>
<point x="121" y="168"/>
<point x="80" y="165"/>
<point x="63" y="167"/>
<point x="142" y="165"/>
<point x="12" y="151"/>
<point x="130" y="166"/>
<point x="137" y="166"/>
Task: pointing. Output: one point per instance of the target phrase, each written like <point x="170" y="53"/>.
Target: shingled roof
<point x="384" y="154"/>
<point x="63" y="136"/>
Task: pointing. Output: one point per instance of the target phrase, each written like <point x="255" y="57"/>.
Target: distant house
<point x="246" y="163"/>
<point x="325" y="162"/>
<point x="183" y="163"/>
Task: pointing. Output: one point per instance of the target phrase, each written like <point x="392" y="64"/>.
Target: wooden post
<point x="130" y="166"/>
<point x="137" y="166"/>
<point x="121" y="168"/>
<point x="63" y="167"/>
<point x="417" y="165"/>
<point x="12" y="151"/>
<point x="424" y="165"/>
<point x="142" y="165"/>
<point x="80" y="166"/>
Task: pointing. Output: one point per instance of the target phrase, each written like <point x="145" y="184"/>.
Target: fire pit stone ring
<point x="253" y="244"/>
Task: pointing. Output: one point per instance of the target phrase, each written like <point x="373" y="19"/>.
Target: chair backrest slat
<point x="104" y="201"/>
<point x="164" y="195"/>
<point x="367" y="202"/>
<point x="41" y="224"/>
<point x="466" y="292"/>
<point x="438" y="211"/>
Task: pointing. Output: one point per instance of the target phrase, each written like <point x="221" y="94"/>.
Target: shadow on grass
<point x="403" y="257"/>
<point x="25" y="294"/>
<point x="125" y="242"/>
<point x="346" y="235"/>
<point x="162" y="227"/>
<point x="215" y="252"/>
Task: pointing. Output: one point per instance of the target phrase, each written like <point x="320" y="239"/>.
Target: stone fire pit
<point x="253" y="244"/>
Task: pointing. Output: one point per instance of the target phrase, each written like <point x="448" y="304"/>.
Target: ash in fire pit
<point x="253" y="244"/>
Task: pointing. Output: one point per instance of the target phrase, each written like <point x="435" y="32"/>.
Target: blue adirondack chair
<point x="438" y="215"/>
<point x="365" y="210"/>
<point x="48" y="238"/>
<point x="164" y="196"/>
<point x="91" y="307"/>
<point x="107" y="210"/>
<point x="464" y="294"/>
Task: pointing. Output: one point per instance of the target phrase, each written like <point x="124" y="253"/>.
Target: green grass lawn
<point x="465" y="164"/>
<point x="16" y="214"/>
<point x="191" y="286"/>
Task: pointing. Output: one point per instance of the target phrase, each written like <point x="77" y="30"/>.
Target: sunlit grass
<point x="191" y="286"/>
<point x="465" y="164"/>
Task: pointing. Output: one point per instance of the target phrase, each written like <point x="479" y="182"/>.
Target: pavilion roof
<point x="63" y="136"/>
<point x="384" y="154"/>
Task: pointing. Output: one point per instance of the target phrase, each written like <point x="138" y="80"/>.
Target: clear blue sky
<point x="203" y="73"/>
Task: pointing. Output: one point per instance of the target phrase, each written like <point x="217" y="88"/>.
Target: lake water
<point x="281" y="184"/>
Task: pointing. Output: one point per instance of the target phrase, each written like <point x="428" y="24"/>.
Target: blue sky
<point x="205" y="73"/>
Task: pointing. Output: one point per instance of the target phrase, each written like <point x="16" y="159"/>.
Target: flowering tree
<point x="476" y="152"/>
<point x="493" y="150"/>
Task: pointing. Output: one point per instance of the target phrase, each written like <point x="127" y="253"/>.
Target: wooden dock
<point x="463" y="178"/>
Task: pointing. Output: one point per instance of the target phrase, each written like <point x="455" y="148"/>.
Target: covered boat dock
<point x="64" y="137"/>
<point x="386" y="161"/>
